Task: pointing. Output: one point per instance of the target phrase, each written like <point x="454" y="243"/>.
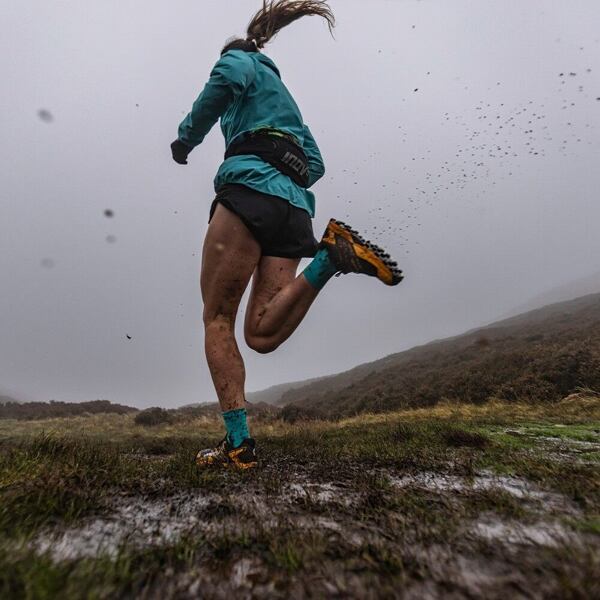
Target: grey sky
<point x="423" y="172"/>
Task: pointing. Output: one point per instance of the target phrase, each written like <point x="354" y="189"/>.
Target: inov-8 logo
<point x="295" y="163"/>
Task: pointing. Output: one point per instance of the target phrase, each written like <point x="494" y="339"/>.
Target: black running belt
<point x="279" y="150"/>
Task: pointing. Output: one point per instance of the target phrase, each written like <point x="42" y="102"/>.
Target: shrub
<point x="152" y="417"/>
<point x="293" y="413"/>
<point x="27" y="411"/>
<point x="459" y="438"/>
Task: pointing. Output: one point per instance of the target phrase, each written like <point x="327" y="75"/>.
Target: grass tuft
<point x="360" y="508"/>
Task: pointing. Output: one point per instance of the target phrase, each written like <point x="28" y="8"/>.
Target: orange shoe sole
<point x="386" y="270"/>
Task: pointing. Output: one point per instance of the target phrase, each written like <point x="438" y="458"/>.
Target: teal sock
<point x="237" y="426"/>
<point x="320" y="270"/>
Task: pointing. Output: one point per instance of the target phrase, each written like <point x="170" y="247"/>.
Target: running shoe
<point x="226" y="455"/>
<point x="351" y="253"/>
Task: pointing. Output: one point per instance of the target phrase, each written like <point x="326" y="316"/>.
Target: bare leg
<point x="229" y="258"/>
<point x="278" y="303"/>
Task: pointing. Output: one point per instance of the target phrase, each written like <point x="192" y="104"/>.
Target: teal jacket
<point x="246" y="92"/>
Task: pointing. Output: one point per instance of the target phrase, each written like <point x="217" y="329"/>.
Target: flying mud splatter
<point x="495" y="139"/>
<point x="45" y="115"/>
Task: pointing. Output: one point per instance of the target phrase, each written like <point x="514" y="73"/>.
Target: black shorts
<point x="280" y="228"/>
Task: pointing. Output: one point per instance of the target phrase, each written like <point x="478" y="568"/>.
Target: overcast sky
<point x="449" y="134"/>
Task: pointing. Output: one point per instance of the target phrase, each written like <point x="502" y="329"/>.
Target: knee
<point x="217" y="321"/>
<point x="260" y="344"/>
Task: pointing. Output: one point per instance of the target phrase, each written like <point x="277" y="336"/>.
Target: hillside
<point x="273" y="394"/>
<point x="539" y="356"/>
<point x="26" y="411"/>
<point x="577" y="288"/>
<point x="8" y="400"/>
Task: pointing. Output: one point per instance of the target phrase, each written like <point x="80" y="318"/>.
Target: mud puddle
<point x="134" y="521"/>
<point x="486" y="480"/>
<point x="543" y="533"/>
<point x="140" y="522"/>
<point x="562" y="448"/>
<point x="322" y="493"/>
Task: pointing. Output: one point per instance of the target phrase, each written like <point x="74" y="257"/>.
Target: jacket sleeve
<point x="229" y="78"/>
<point x="316" y="167"/>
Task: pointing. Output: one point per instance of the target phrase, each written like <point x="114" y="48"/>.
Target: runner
<point x="260" y="221"/>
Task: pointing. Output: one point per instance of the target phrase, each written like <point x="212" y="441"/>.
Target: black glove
<point x="180" y="152"/>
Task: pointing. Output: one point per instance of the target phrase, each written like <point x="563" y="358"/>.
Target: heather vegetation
<point x="153" y="416"/>
<point x="540" y="357"/>
<point x="53" y="409"/>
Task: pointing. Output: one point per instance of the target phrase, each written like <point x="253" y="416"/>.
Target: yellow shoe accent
<point x="352" y="254"/>
<point x="213" y="456"/>
<point x="224" y="455"/>
<point x="239" y="462"/>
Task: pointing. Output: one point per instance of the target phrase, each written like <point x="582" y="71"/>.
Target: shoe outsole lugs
<point x="384" y="268"/>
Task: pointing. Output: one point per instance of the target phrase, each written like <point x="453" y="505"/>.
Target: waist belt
<point x="279" y="150"/>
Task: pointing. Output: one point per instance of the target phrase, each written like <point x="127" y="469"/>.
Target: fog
<point x="463" y="136"/>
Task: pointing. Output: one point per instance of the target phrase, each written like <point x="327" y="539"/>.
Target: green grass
<point x="373" y="537"/>
<point x="589" y="525"/>
<point x="580" y="432"/>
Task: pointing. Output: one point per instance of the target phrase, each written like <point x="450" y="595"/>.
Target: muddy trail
<point x="361" y="523"/>
<point x="422" y="509"/>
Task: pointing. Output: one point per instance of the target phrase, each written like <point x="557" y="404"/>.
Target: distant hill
<point x="257" y="409"/>
<point x="573" y="289"/>
<point x="273" y="394"/>
<point x="287" y="393"/>
<point x="27" y="411"/>
<point x="9" y="395"/>
<point x="8" y="399"/>
<point x="539" y="356"/>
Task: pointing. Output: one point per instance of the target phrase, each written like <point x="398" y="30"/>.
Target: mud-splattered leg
<point x="278" y="303"/>
<point x="229" y="258"/>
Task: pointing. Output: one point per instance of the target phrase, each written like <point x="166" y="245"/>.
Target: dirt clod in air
<point x="45" y="115"/>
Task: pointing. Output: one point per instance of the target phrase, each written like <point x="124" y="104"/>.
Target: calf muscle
<point x="229" y="258"/>
<point x="278" y="303"/>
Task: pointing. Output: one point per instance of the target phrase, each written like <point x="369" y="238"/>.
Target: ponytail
<point x="274" y="16"/>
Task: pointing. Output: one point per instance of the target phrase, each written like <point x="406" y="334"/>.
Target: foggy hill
<point x="567" y="291"/>
<point x="213" y="409"/>
<point x="8" y="400"/>
<point x="272" y="395"/>
<point x="542" y="355"/>
<point x="8" y="395"/>
<point x="25" y="411"/>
